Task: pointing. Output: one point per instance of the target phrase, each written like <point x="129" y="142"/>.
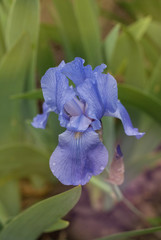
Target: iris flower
<point x="80" y="153"/>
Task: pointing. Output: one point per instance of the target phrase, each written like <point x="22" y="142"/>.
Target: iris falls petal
<point x="123" y="115"/>
<point x="78" y="156"/>
<point x="41" y="119"/>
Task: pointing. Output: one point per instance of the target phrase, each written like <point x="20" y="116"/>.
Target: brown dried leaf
<point x="116" y="172"/>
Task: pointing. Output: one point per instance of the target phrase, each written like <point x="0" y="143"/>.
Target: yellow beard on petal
<point x="78" y="134"/>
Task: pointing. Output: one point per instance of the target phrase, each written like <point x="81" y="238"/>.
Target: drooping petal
<point x="123" y="115"/>
<point x="41" y="119"/>
<point x="100" y="94"/>
<point x="56" y="88"/>
<point x="77" y="157"/>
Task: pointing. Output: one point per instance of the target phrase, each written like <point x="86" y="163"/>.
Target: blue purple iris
<point x="80" y="153"/>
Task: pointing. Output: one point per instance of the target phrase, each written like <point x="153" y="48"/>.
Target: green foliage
<point x="126" y="235"/>
<point x="132" y="53"/>
<point x="36" y="219"/>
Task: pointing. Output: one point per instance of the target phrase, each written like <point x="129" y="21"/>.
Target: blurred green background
<point x="36" y="35"/>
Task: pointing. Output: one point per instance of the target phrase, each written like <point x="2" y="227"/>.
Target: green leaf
<point x="129" y="51"/>
<point x="33" y="94"/>
<point x="98" y="182"/>
<point x="4" y="12"/>
<point x="147" y="7"/>
<point x="110" y="42"/>
<point x="36" y="219"/>
<point x="45" y="58"/>
<point x="142" y="100"/>
<point x="12" y="205"/>
<point x="2" y="42"/>
<point x="12" y="75"/>
<point x="60" y="224"/>
<point x="22" y="160"/>
<point x="154" y="33"/>
<point x="139" y="28"/>
<point x="23" y="18"/>
<point x="87" y="20"/>
<point x="65" y="19"/>
<point x="126" y="235"/>
<point x="155" y="86"/>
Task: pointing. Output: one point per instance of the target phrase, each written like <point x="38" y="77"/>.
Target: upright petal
<point x="76" y="71"/>
<point x="123" y="115"/>
<point x="56" y="88"/>
<point x="107" y="91"/>
<point x="100" y="68"/>
<point x="41" y="119"/>
<point x="74" y="107"/>
<point x="77" y="157"/>
<point x="100" y="94"/>
<point x="88" y="92"/>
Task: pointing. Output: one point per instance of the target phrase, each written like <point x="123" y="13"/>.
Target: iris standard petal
<point x="123" y="115"/>
<point x="100" y="68"/>
<point x="89" y="93"/>
<point x="107" y="91"/>
<point x="41" y="119"/>
<point x="77" y="72"/>
<point x="77" y="157"/>
<point x="74" y="107"/>
<point x="56" y="88"/>
<point x="100" y="94"/>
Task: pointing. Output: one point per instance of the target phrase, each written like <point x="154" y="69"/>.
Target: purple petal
<point x="76" y="71"/>
<point x="41" y="119"/>
<point x="100" y="94"/>
<point x="100" y="68"/>
<point x="74" y="107"/>
<point x="89" y="93"/>
<point x="123" y="115"/>
<point x="107" y="91"/>
<point x="78" y="157"/>
<point x="78" y="123"/>
<point x="56" y="88"/>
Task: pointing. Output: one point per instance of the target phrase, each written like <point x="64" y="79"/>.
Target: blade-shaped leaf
<point x="110" y="42"/>
<point x="36" y="219"/>
<point x="64" y="17"/>
<point x="22" y="161"/>
<point x="154" y="33"/>
<point x="33" y="94"/>
<point x="60" y="224"/>
<point x="142" y="100"/>
<point x="23" y="18"/>
<point x="126" y="235"/>
<point x="128" y="50"/>
<point x="86" y="17"/>
<point x="12" y="74"/>
<point x="155" y="86"/>
<point x="139" y="28"/>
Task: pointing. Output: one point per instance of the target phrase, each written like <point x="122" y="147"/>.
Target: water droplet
<point x="101" y="168"/>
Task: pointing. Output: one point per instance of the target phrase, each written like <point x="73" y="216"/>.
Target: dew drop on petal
<point x="102" y="168"/>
